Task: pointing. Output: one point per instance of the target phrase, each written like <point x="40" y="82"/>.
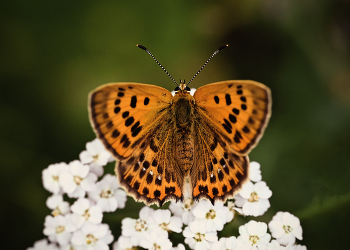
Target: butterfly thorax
<point x="183" y="114"/>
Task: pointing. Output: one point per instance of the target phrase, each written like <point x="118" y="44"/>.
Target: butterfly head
<point x="183" y="87"/>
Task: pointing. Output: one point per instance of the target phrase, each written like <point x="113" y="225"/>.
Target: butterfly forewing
<point x="239" y="110"/>
<point x="122" y="113"/>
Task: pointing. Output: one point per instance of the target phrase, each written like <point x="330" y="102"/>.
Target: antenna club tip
<point x="223" y="47"/>
<point x="141" y="46"/>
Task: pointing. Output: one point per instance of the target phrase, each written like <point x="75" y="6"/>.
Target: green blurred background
<point x="53" y="53"/>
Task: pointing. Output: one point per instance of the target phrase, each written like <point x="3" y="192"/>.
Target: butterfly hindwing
<point x="239" y="110"/>
<point x="150" y="176"/>
<point x="123" y="113"/>
<point x="218" y="173"/>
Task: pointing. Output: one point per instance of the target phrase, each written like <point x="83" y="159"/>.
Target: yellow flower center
<point x="199" y="237"/>
<point x="211" y="214"/>
<point x="187" y="204"/>
<point x="90" y="239"/>
<point x="164" y="226"/>
<point x="60" y="229"/>
<point x="254" y="239"/>
<point x="86" y="215"/>
<point x="107" y="193"/>
<point x="77" y="180"/>
<point x="253" y="197"/>
<point x="156" y="247"/>
<point x="56" y="212"/>
<point x="287" y="229"/>
<point x="140" y="225"/>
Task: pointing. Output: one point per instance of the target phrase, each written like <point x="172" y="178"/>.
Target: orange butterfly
<point x="167" y="143"/>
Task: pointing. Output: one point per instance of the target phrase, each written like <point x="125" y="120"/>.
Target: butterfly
<point x="166" y="144"/>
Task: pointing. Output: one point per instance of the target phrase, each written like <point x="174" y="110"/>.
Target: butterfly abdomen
<point x="183" y="127"/>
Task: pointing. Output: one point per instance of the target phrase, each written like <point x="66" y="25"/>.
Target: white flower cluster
<point x="79" y="226"/>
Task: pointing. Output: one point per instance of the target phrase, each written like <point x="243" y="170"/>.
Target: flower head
<point x="183" y="209"/>
<point x="154" y="242"/>
<point x="96" y="156"/>
<point x="138" y="229"/>
<point x="43" y="245"/>
<point x="50" y="177"/>
<point x="275" y="245"/>
<point x="215" y="216"/>
<point x="58" y="229"/>
<point x="254" y="171"/>
<point x="255" y="233"/>
<point x="85" y="211"/>
<point x="285" y="227"/>
<point x="123" y="243"/>
<point x="93" y="237"/>
<point x="107" y="194"/>
<point x="197" y="237"/>
<point x="253" y="198"/>
<point x="77" y="179"/>
<point x="164" y="222"/>
<point x="58" y="205"/>
<point x="231" y="243"/>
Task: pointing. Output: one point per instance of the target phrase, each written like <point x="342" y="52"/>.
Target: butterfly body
<point x="165" y="143"/>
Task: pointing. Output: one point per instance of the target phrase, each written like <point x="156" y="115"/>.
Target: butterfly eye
<point x="177" y="89"/>
<point x="187" y="88"/>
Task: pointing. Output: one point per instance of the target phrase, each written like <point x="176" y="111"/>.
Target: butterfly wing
<point x="133" y="122"/>
<point x="230" y="119"/>
<point x="239" y="110"/>
<point x="218" y="172"/>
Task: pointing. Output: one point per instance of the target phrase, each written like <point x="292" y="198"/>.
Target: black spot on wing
<point x="216" y="99"/>
<point x="203" y="189"/>
<point x="245" y="129"/>
<point x="117" y="110"/>
<point x="129" y="121"/>
<point x="236" y="111"/>
<point x="146" y="101"/>
<point x="136" y="185"/>
<point x="169" y="190"/>
<point x="109" y="125"/>
<point x="157" y="193"/>
<point x="232" y="118"/>
<point x="115" y="133"/>
<point x="149" y="178"/>
<point x="133" y="101"/>
<point x="228" y="99"/>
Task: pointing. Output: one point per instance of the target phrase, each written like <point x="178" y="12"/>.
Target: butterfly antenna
<point x="145" y="49"/>
<point x="215" y="52"/>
